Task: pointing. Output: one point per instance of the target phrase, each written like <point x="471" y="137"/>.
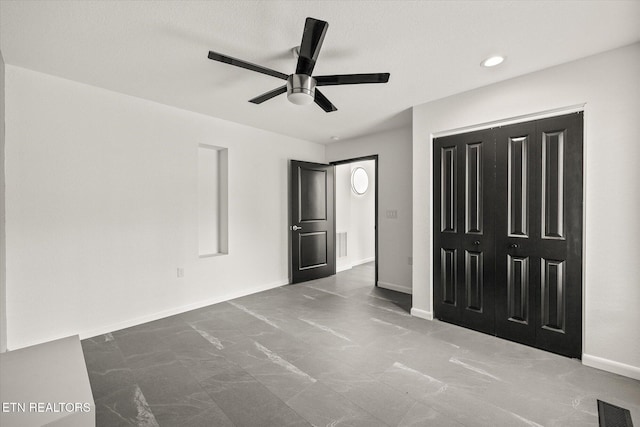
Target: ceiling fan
<point x="301" y="86"/>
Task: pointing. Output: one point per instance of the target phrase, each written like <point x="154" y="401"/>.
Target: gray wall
<point x="607" y="87"/>
<point x="3" y="287"/>
<point x="394" y="194"/>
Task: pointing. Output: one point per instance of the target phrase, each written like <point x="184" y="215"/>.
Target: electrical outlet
<point x="180" y="272"/>
<point x="392" y="214"/>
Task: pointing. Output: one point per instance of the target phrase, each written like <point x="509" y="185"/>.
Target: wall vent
<point x="342" y="244"/>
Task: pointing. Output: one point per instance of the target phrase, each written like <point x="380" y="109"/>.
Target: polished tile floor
<point x="335" y="352"/>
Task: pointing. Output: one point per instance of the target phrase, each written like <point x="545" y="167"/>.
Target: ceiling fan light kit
<point x="301" y="86"/>
<point x="301" y="89"/>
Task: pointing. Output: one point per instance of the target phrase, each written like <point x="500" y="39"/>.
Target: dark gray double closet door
<point x="508" y="232"/>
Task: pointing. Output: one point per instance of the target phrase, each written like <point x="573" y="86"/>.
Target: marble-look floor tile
<point x="204" y="364"/>
<point x="246" y="353"/>
<point x="187" y="339"/>
<point x="282" y="379"/>
<point x="535" y="398"/>
<point x="453" y="402"/>
<point x="420" y="415"/>
<point x="322" y="364"/>
<point x="335" y="351"/>
<point x="284" y="343"/>
<point x="219" y="335"/>
<point x="616" y="389"/>
<point x="247" y="402"/>
<point x="106" y="382"/>
<point x="379" y="399"/>
<point x="197" y="409"/>
<point x="166" y="382"/>
<point x="322" y="406"/>
<point x="150" y="358"/>
<point x="366" y="359"/>
<point x="106" y="366"/>
<point x="139" y="342"/>
<point x="124" y="407"/>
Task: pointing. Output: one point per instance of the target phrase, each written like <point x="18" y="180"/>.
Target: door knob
<point x="296" y="228"/>
<point x="477" y="242"/>
<point x="514" y="245"/>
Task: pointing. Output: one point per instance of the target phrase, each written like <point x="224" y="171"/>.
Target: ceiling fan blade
<point x="324" y="103"/>
<point x="268" y="95"/>
<point x="351" y="79"/>
<point x="312" y="38"/>
<point x="244" y="64"/>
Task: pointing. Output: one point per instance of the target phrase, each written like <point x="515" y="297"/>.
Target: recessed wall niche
<point x="213" y="197"/>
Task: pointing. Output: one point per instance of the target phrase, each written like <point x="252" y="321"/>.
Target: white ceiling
<point x="157" y="50"/>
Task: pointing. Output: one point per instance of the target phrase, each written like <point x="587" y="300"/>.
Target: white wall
<point x="343" y="211"/>
<point x="102" y="209"/>
<point x="394" y="193"/>
<point x="362" y="245"/>
<point x="3" y="293"/>
<point x="355" y="215"/>
<point x="609" y="86"/>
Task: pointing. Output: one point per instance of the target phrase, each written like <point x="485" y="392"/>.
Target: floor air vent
<point x="613" y="416"/>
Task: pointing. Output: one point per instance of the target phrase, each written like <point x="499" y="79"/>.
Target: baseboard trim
<point x="611" y="366"/>
<point x="344" y="268"/>
<point x="423" y="314"/>
<point x="177" y="310"/>
<point x="363" y="261"/>
<point x="394" y="287"/>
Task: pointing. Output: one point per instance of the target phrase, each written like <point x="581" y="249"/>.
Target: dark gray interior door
<point x="508" y="239"/>
<point x="312" y="223"/>
<point x="539" y="241"/>
<point x="464" y="264"/>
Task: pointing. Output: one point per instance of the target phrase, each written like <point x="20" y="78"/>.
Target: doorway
<point x="313" y="247"/>
<point x="508" y="232"/>
<point x="356" y="202"/>
<point x="355" y="214"/>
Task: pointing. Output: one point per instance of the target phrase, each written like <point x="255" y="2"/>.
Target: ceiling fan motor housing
<point x="301" y="89"/>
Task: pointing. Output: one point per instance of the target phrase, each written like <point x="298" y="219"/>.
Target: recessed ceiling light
<point x="492" y="61"/>
<point x="335" y="138"/>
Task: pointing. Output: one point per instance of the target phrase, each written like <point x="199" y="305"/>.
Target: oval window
<point x="359" y="180"/>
